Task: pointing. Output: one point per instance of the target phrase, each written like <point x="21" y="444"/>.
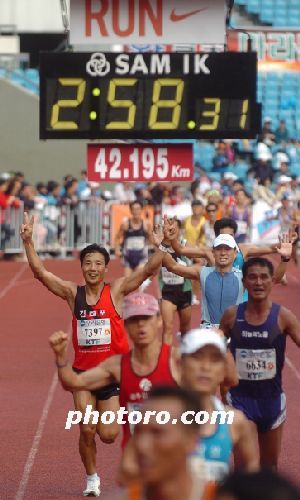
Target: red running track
<point x="39" y="458"/>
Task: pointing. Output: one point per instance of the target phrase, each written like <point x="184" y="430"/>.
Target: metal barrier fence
<point x="56" y="229"/>
<point x="61" y="230"/>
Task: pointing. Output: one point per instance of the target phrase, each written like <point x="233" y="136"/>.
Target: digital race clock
<point x="165" y="95"/>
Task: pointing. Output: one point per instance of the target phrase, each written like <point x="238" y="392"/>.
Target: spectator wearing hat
<point x="283" y="186"/>
<point x="267" y="135"/>
<point x="283" y="170"/>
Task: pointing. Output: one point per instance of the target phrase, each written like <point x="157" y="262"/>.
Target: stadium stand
<point x="279" y="13"/>
<point x="26" y="78"/>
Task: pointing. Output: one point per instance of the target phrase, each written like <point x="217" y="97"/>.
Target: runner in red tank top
<point x="97" y="329"/>
<point x="134" y="388"/>
<point x="148" y="364"/>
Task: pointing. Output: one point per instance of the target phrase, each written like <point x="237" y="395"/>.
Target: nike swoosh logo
<point x="180" y="17"/>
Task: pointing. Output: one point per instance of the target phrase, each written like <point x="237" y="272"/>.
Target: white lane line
<point x="36" y="440"/>
<point x="292" y="367"/>
<point x="38" y="435"/>
<point x="12" y="282"/>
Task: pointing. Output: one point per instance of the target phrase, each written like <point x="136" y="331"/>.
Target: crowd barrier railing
<point x="56" y="229"/>
<point x="62" y="230"/>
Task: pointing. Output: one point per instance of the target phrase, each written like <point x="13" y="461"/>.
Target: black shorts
<point x="180" y="299"/>
<point x="104" y="393"/>
<point x="133" y="259"/>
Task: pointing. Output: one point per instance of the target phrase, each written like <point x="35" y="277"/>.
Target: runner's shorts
<point x="104" y="393"/>
<point x="267" y="413"/>
<point x="134" y="259"/>
<point x="180" y="299"/>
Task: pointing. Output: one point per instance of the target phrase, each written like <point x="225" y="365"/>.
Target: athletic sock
<point x="92" y="477"/>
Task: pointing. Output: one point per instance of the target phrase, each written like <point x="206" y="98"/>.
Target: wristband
<point x="163" y="248"/>
<point x="285" y="259"/>
<point x="62" y="365"/>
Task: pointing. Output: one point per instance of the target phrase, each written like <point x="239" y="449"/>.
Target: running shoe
<point x="93" y="488"/>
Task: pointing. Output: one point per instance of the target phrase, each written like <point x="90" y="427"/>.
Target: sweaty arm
<point x="227" y="321"/>
<point x="64" y="289"/>
<point x="190" y="272"/>
<point x="290" y="325"/>
<point x="104" y="374"/>
<point x="193" y="252"/>
<point x="231" y="378"/>
<point x="124" y="286"/>
<point x="257" y="250"/>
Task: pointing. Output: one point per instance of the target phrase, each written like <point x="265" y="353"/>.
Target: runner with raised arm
<point x="98" y="330"/>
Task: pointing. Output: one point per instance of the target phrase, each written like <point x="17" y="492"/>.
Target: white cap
<point x="195" y="339"/>
<point x="225" y="239"/>
<point x="94" y="185"/>
<point x="263" y="152"/>
<point x="230" y="175"/>
<point x="284" y="178"/>
<point x="4" y="176"/>
<point x="267" y="119"/>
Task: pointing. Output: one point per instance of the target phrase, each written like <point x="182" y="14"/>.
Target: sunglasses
<point x="210" y="210"/>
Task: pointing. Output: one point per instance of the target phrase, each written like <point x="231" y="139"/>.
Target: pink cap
<point x="139" y="304"/>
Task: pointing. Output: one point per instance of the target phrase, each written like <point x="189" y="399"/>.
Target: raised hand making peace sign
<point x="27" y="228"/>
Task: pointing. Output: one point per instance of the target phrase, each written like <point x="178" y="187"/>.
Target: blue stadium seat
<point x="241" y="170"/>
<point x="266" y="3"/>
<point x="215" y="176"/>
<point x="272" y="92"/>
<point x="32" y="74"/>
<point x="280" y="21"/>
<point x="253" y="6"/>
<point x="272" y="77"/>
<point x="295" y="170"/>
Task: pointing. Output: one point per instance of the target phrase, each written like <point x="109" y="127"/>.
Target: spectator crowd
<point x="227" y="181"/>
